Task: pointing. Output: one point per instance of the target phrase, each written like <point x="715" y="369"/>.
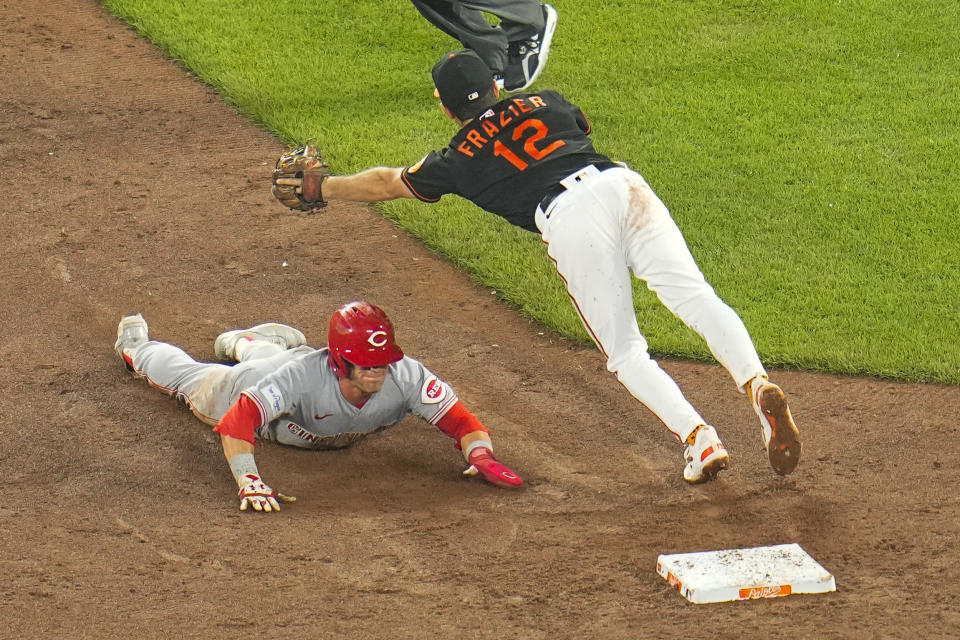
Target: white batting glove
<point x="255" y="493"/>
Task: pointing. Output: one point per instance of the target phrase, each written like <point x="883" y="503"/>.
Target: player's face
<point x="368" y="379"/>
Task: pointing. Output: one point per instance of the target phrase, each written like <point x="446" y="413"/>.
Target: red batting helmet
<point x="361" y="333"/>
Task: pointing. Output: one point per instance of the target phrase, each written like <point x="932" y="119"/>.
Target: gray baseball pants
<point x="207" y="388"/>
<point x="464" y="20"/>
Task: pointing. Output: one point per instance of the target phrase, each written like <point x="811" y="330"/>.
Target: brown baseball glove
<point x="298" y="179"/>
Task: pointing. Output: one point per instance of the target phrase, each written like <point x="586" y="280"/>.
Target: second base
<point x="744" y="574"/>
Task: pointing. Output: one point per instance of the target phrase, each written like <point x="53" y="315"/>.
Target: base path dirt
<point x="129" y="186"/>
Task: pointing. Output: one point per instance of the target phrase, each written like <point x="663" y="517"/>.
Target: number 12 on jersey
<point x="532" y="131"/>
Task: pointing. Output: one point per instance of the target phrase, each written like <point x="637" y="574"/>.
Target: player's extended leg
<point x="168" y="368"/>
<point x="207" y="388"/>
<point x="589" y="258"/>
<point x="470" y="27"/>
<point x="529" y="26"/>
<point x="658" y="254"/>
<point x="600" y="291"/>
<point x="260" y="341"/>
<point x="519" y="19"/>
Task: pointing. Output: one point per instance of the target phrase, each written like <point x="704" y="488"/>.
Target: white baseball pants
<point x="607" y="224"/>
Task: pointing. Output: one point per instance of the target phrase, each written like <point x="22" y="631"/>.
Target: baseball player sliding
<point x="528" y="159"/>
<point x="284" y="391"/>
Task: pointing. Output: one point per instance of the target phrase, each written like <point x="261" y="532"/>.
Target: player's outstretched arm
<point x="372" y="185"/>
<point x="490" y="469"/>
<point x="377" y="184"/>
<point x="254" y="493"/>
<point x="236" y="429"/>
<point x="473" y="439"/>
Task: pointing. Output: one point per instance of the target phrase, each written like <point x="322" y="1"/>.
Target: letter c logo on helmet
<point x="361" y="334"/>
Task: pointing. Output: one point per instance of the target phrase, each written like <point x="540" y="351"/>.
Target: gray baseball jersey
<point x="296" y="391"/>
<point x="301" y="404"/>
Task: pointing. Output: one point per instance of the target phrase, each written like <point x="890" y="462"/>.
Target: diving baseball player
<point x="528" y="159"/>
<point x="284" y="391"/>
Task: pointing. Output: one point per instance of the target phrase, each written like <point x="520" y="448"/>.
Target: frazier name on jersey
<point x="490" y="123"/>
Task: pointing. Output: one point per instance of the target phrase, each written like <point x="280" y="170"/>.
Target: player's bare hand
<point x="490" y="469"/>
<point x="256" y="495"/>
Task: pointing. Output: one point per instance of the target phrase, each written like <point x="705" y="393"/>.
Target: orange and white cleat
<point x="780" y="435"/>
<point x="706" y="457"/>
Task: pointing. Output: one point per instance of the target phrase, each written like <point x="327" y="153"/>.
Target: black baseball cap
<point x="461" y="78"/>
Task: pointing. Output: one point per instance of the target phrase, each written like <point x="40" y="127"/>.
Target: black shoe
<point x="527" y="58"/>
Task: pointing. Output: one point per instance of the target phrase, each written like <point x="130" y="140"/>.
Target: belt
<point x="558" y="188"/>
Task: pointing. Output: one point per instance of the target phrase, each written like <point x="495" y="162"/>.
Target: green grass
<point x="807" y="148"/>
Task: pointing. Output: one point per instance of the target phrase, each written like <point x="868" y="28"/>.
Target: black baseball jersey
<point x="506" y="159"/>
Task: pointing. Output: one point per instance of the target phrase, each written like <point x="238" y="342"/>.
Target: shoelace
<point x="525" y="47"/>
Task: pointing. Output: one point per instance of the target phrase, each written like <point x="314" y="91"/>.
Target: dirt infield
<point x="120" y="518"/>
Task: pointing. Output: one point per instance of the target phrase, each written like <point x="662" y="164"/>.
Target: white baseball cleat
<point x="780" y="435"/>
<point x="131" y="333"/>
<point x="706" y="457"/>
<point x="281" y="334"/>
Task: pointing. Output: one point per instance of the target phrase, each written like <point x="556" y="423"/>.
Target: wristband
<point x="241" y="465"/>
<point x="486" y="444"/>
